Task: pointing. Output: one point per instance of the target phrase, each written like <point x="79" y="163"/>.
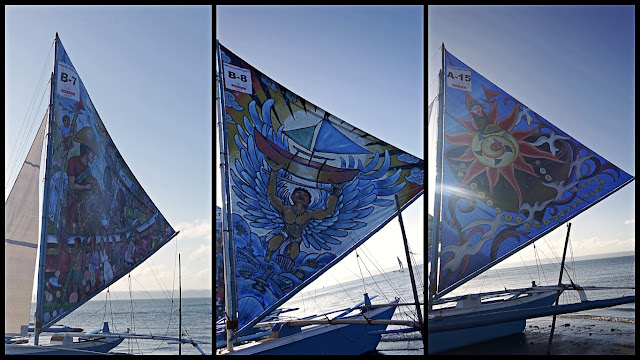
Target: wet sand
<point x="573" y="336"/>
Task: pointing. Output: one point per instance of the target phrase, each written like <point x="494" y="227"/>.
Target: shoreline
<point x="573" y="336"/>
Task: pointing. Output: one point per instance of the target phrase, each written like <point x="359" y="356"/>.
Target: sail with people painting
<point x="99" y="223"/>
<point x="306" y="187"/>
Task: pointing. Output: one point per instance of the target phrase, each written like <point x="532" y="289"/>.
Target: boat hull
<point x="453" y="339"/>
<point x="343" y="339"/>
<point x="89" y="347"/>
<point x="304" y="168"/>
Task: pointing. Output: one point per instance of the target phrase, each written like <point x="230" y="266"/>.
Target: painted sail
<point x="99" y="222"/>
<point x="21" y="219"/>
<point x="219" y="267"/>
<point x="306" y="187"/>
<point x="509" y="176"/>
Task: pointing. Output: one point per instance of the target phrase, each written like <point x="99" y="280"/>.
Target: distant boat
<point x="400" y="264"/>
<point x="505" y="177"/>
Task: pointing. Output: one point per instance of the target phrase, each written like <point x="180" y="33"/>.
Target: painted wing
<point x="371" y="187"/>
<point x="250" y="177"/>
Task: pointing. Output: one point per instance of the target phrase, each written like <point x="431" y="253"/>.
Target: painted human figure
<point x="78" y="172"/>
<point x="142" y="247"/>
<point x="106" y="265"/>
<point x="93" y="260"/>
<point x="116" y="256"/>
<point x="296" y="216"/>
<point x="77" y="271"/>
<point x="128" y="254"/>
<point x="67" y="130"/>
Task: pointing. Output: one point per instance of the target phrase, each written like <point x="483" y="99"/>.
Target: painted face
<point x="476" y="109"/>
<point x="301" y="197"/>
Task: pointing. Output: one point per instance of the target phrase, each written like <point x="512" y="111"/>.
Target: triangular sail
<point x="21" y="238"/>
<point x="509" y="176"/>
<point x="99" y="223"/>
<point x="296" y="213"/>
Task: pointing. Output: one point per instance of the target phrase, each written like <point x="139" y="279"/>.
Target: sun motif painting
<point x="509" y="175"/>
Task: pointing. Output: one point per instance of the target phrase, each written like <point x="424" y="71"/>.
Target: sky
<point x="148" y="71"/>
<point x="365" y="65"/>
<point x="573" y="65"/>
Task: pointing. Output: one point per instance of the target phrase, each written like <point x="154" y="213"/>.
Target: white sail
<point x="21" y="238"/>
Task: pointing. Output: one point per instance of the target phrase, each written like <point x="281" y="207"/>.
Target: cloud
<point x="417" y="176"/>
<point x="408" y="158"/>
<point x="630" y="221"/>
<point x="196" y="229"/>
<point x="200" y="252"/>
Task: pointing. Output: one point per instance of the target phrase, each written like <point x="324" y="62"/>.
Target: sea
<point x="149" y="316"/>
<point x="386" y="286"/>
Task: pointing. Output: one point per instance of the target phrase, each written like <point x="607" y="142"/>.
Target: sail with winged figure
<point x="306" y="187"/>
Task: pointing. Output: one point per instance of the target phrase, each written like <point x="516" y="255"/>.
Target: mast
<point x="413" y="280"/>
<point x="230" y="291"/>
<point x="180" y="307"/>
<point x="564" y="256"/>
<point x="433" y="286"/>
<point x="43" y="231"/>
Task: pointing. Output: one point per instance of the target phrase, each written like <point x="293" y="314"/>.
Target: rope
<point x="361" y="276"/>
<point x="22" y="132"/>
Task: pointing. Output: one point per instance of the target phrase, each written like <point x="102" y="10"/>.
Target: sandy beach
<point x="573" y="336"/>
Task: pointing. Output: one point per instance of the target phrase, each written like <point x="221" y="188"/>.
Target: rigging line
<point x="438" y="51"/>
<point x="415" y="263"/>
<point x="573" y="263"/>
<point x="34" y="96"/>
<point x="133" y="325"/>
<point x="343" y="289"/>
<point x="499" y="278"/>
<point x="380" y="272"/>
<point x="484" y="278"/>
<point x="361" y="276"/>
<point x="160" y="308"/>
<point x="373" y="262"/>
<point x="431" y="85"/>
<point x="537" y="260"/>
<point x="375" y="282"/>
<point x="525" y="266"/>
<point x="151" y="266"/>
<point x="24" y="141"/>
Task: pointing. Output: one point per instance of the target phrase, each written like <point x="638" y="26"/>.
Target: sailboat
<point x="301" y="190"/>
<point x="400" y="265"/>
<point x="505" y="177"/>
<point x="97" y="223"/>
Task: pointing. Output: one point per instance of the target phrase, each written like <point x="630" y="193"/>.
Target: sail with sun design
<point x="509" y="176"/>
